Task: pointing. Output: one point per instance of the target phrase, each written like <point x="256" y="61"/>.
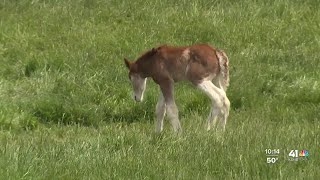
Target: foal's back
<point x="193" y="63"/>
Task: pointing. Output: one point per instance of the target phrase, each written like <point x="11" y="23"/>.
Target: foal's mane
<point x="151" y="52"/>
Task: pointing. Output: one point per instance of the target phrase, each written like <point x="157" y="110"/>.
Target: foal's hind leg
<point x="220" y="103"/>
<point x="212" y="118"/>
<point x="218" y="83"/>
<point x="226" y="104"/>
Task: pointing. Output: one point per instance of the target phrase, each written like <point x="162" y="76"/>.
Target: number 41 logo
<point x="294" y="153"/>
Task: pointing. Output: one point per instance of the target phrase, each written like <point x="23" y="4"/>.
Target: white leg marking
<point x="220" y="103"/>
<point x="173" y="115"/>
<point x="218" y="81"/>
<point x="226" y="112"/>
<point x="212" y="118"/>
<point x="160" y="113"/>
<point x="209" y="119"/>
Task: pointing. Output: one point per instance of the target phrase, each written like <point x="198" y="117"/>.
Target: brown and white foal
<point x="201" y="64"/>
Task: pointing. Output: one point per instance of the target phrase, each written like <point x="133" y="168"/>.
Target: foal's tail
<point x="224" y="69"/>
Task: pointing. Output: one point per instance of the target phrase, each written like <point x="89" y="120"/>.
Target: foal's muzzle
<point x="137" y="99"/>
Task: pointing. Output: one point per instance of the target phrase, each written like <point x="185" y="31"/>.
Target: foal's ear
<point x="127" y="63"/>
<point x="154" y="50"/>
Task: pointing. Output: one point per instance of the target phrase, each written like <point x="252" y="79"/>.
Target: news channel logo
<point x="296" y="155"/>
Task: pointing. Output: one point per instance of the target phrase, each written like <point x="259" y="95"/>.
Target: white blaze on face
<point x="139" y="85"/>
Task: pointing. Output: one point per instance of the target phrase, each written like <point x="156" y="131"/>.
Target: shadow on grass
<point x="136" y="113"/>
<point x="61" y="111"/>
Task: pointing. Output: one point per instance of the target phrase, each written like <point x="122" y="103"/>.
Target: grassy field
<point x="66" y="110"/>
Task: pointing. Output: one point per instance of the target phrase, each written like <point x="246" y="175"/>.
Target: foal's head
<point x="137" y="72"/>
<point x="137" y="80"/>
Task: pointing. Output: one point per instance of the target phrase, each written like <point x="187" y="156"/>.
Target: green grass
<point x="66" y="110"/>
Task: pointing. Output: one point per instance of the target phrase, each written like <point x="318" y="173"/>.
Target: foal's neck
<point x="146" y="67"/>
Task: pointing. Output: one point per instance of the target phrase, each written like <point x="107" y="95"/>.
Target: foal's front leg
<point x="160" y="113"/>
<point x="173" y="115"/>
<point x="171" y="107"/>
